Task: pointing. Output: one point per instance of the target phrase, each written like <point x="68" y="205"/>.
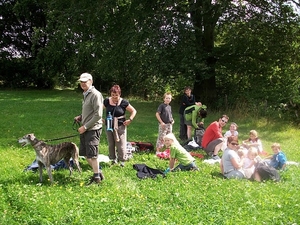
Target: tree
<point x="258" y="55"/>
<point x="211" y="17"/>
<point x="149" y="47"/>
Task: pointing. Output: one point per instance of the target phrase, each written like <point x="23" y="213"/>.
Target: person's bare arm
<point x="221" y="167"/>
<point x="237" y="163"/>
<point x="172" y="163"/>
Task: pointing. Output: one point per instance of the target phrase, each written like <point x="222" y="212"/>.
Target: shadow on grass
<point x="216" y="174"/>
<point x="61" y="177"/>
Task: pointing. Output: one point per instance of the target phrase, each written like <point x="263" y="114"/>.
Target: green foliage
<point x="181" y="198"/>
<point x="265" y="55"/>
<point x="229" y="53"/>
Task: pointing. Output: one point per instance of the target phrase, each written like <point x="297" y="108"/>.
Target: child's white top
<point x="229" y="133"/>
<point x="248" y="170"/>
<point x="259" y="146"/>
<point x="247" y="162"/>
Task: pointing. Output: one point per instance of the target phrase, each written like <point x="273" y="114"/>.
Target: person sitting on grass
<point x="250" y="161"/>
<point x="253" y="141"/>
<point x="267" y="169"/>
<point x="178" y="153"/>
<point x="278" y="159"/>
<point x="231" y="132"/>
<point x="213" y="139"/>
<point x="231" y="164"/>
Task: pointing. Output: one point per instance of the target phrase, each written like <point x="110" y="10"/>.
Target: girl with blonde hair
<point x="253" y="141"/>
<point x="178" y="153"/>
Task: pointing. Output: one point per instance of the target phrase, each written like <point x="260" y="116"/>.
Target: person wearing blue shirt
<point x="278" y="159"/>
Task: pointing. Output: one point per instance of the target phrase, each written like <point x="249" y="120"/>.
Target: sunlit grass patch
<point x="202" y="197"/>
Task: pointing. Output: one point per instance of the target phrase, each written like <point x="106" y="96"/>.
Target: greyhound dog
<point x="51" y="154"/>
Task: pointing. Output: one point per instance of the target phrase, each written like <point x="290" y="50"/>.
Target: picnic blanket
<point x="59" y="165"/>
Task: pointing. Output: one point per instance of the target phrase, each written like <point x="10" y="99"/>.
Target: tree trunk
<point x="204" y="19"/>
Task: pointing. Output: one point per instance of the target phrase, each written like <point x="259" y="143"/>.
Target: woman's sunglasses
<point x="234" y="144"/>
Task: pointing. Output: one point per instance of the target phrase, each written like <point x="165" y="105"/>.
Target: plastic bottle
<point x="109" y="122"/>
<point x="167" y="170"/>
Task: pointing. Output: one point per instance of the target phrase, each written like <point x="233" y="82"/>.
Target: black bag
<point x="143" y="146"/>
<point x="198" y="135"/>
<point x="267" y="172"/>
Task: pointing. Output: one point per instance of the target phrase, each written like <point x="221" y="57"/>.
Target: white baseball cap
<point x="85" y="77"/>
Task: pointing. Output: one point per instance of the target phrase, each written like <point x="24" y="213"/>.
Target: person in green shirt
<point x="191" y="116"/>
<point x="178" y="153"/>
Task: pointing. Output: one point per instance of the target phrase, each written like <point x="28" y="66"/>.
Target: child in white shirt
<point x="253" y="141"/>
<point x="249" y="162"/>
<point x="231" y="132"/>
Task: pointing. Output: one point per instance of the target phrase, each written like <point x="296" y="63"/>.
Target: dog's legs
<point x="75" y="157"/>
<point x="77" y="164"/>
<point x="41" y="171"/>
<point x="49" y="171"/>
<point x="67" y="162"/>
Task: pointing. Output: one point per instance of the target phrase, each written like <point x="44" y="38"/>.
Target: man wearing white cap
<point x="91" y="129"/>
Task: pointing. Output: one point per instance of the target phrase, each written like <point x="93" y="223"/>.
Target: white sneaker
<point x="216" y="157"/>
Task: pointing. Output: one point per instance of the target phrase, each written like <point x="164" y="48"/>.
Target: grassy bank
<point x="181" y="198"/>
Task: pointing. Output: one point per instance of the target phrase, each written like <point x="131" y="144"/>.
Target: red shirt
<point x="212" y="132"/>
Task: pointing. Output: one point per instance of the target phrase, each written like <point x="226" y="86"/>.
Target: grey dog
<point x="47" y="155"/>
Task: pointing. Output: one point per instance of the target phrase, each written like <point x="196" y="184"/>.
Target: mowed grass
<point x="181" y="198"/>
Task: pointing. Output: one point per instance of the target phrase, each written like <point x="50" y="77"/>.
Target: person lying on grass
<point x="178" y="153"/>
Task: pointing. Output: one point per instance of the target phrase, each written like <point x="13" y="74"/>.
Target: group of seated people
<point x="239" y="160"/>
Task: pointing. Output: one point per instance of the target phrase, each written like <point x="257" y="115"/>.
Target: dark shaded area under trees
<point x="244" y="52"/>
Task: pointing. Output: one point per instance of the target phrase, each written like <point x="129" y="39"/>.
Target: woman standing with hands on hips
<point x="117" y="135"/>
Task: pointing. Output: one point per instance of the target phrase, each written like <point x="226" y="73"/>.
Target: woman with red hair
<point x="117" y="137"/>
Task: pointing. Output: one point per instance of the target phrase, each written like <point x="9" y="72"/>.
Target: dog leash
<point x="75" y="126"/>
<point x="55" y="139"/>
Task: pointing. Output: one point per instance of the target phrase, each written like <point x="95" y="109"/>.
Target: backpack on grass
<point x="267" y="172"/>
<point x="199" y="132"/>
<point x="142" y="146"/>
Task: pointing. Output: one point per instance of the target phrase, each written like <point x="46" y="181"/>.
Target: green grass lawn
<point x="181" y="198"/>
